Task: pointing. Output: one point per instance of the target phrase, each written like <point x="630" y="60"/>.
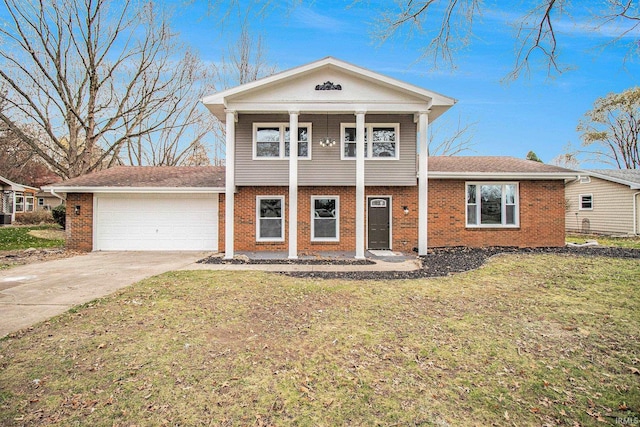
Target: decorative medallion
<point x="328" y="86"/>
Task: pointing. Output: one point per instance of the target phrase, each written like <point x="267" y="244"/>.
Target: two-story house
<point x="327" y="156"/>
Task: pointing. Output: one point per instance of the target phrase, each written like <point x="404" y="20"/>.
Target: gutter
<point x="501" y="175"/>
<point x="53" y="192"/>
<point x="161" y="190"/>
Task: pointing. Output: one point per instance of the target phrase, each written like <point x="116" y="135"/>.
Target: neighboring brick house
<point x="323" y="157"/>
<point x="605" y="201"/>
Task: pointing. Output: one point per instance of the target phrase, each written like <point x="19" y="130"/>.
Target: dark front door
<point x="379" y="227"/>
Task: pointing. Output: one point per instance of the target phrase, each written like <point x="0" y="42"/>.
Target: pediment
<point x="328" y="85"/>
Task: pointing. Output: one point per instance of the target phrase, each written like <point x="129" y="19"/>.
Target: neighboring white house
<point x="604" y="201"/>
<point x="16" y="198"/>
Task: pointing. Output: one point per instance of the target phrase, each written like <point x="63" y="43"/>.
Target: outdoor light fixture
<point x="406" y="210"/>
<point x="77" y="210"/>
<point x="326" y="141"/>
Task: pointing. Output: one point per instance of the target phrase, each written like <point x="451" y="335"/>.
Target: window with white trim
<point x="586" y="202"/>
<point x="30" y="203"/>
<point x="270" y="218"/>
<point x="325" y="218"/>
<point x="40" y="201"/>
<point x="492" y="204"/>
<point x="383" y="144"/>
<point x="272" y="141"/>
<point x="19" y="203"/>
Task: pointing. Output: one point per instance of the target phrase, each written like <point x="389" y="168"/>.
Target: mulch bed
<point x="444" y="261"/>
<point x="302" y="261"/>
<point x="30" y="256"/>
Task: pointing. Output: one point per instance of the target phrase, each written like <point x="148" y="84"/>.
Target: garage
<point x="134" y="221"/>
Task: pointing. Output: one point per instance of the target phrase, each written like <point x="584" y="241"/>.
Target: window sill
<point x="492" y="227"/>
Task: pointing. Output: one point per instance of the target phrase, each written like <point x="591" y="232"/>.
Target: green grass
<point x="527" y="340"/>
<point x="622" y="242"/>
<point x="15" y="238"/>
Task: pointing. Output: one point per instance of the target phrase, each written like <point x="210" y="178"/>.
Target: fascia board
<point x="488" y="176"/>
<point x="632" y="185"/>
<point x="147" y="190"/>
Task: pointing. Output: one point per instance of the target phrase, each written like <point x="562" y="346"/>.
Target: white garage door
<point x="156" y="222"/>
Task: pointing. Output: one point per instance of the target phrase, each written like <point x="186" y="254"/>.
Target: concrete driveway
<point x="35" y="292"/>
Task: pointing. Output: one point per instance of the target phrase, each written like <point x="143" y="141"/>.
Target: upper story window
<point x="272" y="141"/>
<point x="492" y="204"/>
<point x="383" y="144"/>
<point x="586" y="202"/>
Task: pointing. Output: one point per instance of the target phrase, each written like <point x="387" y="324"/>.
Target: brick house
<point x="323" y="157"/>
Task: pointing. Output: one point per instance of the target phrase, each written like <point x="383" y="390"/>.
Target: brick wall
<point x="404" y="227"/>
<point x="541" y="217"/>
<point x="79" y="228"/>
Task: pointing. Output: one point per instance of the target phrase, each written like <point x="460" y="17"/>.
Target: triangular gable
<point x="328" y="85"/>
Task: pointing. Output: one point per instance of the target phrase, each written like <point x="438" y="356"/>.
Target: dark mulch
<point x="303" y="261"/>
<point x="444" y="261"/>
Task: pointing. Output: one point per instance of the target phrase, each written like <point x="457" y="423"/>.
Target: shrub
<point x="34" y="218"/>
<point x="60" y="215"/>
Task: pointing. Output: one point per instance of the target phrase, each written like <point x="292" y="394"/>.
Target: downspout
<point x="635" y="213"/>
<point x="53" y="192"/>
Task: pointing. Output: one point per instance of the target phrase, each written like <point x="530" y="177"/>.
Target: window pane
<point x="511" y="214"/>
<point x="384" y="135"/>
<point x="510" y="194"/>
<point x="350" y="134"/>
<point x="471" y="194"/>
<point x="325" y="208"/>
<point x="268" y="142"/>
<point x="471" y="215"/>
<point x="270" y="228"/>
<point x="350" y="149"/>
<point x="586" y="202"/>
<point x="270" y="208"/>
<point x="491" y="204"/>
<point x="384" y="149"/>
<point x="268" y="149"/>
<point x="324" y="228"/>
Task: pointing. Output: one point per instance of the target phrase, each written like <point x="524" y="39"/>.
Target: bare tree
<point x="244" y="62"/>
<point x="611" y="129"/>
<point x="447" y="26"/>
<point x="448" y="140"/>
<point x="93" y="77"/>
<point x="568" y="159"/>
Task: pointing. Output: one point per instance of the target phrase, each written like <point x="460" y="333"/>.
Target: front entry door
<point x="379" y="222"/>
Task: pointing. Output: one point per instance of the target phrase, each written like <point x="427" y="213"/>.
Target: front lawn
<point x="15" y="238"/>
<point x="527" y="340"/>
<point x="621" y="242"/>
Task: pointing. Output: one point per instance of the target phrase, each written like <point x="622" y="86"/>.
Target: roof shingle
<point x="151" y="176"/>
<point x="490" y="164"/>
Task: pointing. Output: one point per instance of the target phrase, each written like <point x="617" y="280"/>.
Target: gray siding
<point x="325" y="166"/>
<point x="612" y="211"/>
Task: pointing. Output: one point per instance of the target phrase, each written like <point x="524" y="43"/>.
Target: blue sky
<point x="533" y="113"/>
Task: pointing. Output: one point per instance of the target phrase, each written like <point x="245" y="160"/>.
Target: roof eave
<point x="632" y="185"/>
<point x="120" y="190"/>
<point x="502" y="175"/>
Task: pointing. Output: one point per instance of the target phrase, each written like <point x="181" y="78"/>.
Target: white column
<point x="423" y="184"/>
<point x="293" y="184"/>
<point x="360" y="199"/>
<point x="230" y="186"/>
